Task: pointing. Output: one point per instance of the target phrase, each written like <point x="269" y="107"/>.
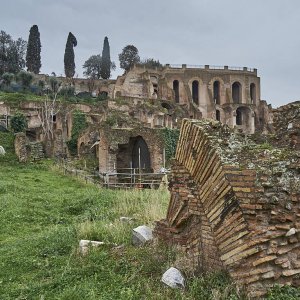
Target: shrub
<point x="24" y="78"/>
<point x="18" y="122"/>
<point x="8" y="78"/>
<point x="67" y="91"/>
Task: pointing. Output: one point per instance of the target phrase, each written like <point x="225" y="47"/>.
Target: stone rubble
<point x="173" y="278"/>
<point x="141" y="235"/>
<point x="85" y="244"/>
<point x="2" y="151"/>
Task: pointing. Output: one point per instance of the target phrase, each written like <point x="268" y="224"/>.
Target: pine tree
<point x="33" y="55"/>
<point x="106" y="62"/>
<point x="69" y="59"/>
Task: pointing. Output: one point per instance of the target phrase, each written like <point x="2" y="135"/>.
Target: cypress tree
<point x="106" y="62"/>
<point x="69" y="58"/>
<point x="33" y="54"/>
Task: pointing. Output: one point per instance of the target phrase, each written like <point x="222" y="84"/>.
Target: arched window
<point x="239" y="117"/>
<point x="195" y="91"/>
<point x="218" y="115"/>
<point x="252" y="93"/>
<point x="236" y="92"/>
<point x="217" y="92"/>
<point x="176" y="90"/>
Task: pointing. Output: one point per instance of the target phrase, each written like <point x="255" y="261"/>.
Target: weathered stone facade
<point x="235" y="205"/>
<point x="26" y="150"/>
<point x="230" y="95"/>
<point x="117" y="149"/>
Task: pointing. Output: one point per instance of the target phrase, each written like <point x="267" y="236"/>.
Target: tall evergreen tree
<point x="106" y="62"/>
<point x="69" y="59"/>
<point x="12" y="53"/>
<point x="33" y="55"/>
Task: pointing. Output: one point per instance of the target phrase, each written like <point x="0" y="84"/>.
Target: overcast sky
<point x="262" y="34"/>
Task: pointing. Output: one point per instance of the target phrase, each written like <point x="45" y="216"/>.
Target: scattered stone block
<point x="173" y="278"/>
<point x="85" y="244"/>
<point x="126" y="219"/>
<point x="2" y="151"/>
<point x="141" y="235"/>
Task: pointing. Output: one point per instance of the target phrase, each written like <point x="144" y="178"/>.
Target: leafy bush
<point x="18" y="122"/>
<point x="67" y="91"/>
<point x="8" y="78"/>
<point x="24" y="78"/>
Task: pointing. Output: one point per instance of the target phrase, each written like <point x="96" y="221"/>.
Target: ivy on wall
<point x="170" y="137"/>
<point x="79" y="124"/>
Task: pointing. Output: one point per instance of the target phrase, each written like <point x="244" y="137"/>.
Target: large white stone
<point x="84" y="245"/>
<point x="2" y="151"/>
<point x="173" y="278"/>
<point x="141" y="235"/>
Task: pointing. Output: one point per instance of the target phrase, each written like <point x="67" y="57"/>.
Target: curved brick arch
<point x="216" y="214"/>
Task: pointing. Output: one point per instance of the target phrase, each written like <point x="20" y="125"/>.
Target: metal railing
<point x="129" y="179"/>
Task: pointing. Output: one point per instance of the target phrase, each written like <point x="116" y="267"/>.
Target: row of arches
<point x="242" y="116"/>
<point x="236" y="90"/>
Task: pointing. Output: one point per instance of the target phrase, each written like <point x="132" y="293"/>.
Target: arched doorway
<point x="218" y="115"/>
<point x="244" y="119"/>
<point x="252" y="93"/>
<point x="236" y="92"/>
<point x="217" y="92"/>
<point x="140" y="154"/>
<point x="176" y="90"/>
<point x="133" y="154"/>
<point x="195" y="91"/>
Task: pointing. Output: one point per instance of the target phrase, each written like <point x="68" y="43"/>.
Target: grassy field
<point x="44" y="215"/>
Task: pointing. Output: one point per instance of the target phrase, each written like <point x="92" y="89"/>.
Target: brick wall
<point x="234" y="206"/>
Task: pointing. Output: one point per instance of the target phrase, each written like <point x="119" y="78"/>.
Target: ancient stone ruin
<point x="235" y="206"/>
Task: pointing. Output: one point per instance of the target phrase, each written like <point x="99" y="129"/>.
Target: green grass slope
<point x="44" y="215"/>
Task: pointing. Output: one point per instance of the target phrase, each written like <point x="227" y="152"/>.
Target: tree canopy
<point x="33" y="55"/>
<point x="151" y="63"/>
<point x="12" y="54"/>
<point x="106" y="63"/>
<point x="69" y="58"/>
<point x="92" y="67"/>
<point x="128" y="57"/>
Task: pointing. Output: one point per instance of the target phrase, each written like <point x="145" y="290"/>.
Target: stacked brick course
<point x="235" y="205"/>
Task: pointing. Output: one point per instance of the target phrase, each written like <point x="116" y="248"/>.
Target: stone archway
<point x="216" y="92"/>
<point x="134" y="154"/>
<point x="236" y="92"/>
<point x="244" y="119"/>
<point x="195" y="91"/>
<point x="140" y="153"/>
<point x="176" y="90"/>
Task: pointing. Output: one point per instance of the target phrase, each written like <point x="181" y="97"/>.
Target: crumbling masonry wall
<point x="27" y="151"/>
<point x="235" y="205"/>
